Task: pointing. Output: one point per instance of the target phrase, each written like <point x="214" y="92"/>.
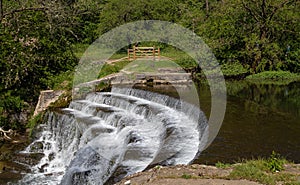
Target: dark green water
<point x="259" y="119"/>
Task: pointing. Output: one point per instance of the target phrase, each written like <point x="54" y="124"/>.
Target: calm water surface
<point x="259" y="119"/>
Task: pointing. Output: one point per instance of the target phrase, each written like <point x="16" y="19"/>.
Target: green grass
<point x="186" y="176"/>
<point x="173" y="53"/>
<point x="274" y="77"/>
<point x="108" y="69"/>
<point x="264" y="171"/>
<point x="179" y="57"/>
<point x="222" y="165"/>
<point x="149" y="65"/>
<point x="118" y="56"/>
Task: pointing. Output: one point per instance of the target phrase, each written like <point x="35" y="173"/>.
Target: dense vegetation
<point x="38" y="38"/>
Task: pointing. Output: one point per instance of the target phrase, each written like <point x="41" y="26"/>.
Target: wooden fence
<point x="142" y="52"/>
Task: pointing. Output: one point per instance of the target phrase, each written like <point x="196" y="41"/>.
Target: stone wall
<point x="45" y="99"/>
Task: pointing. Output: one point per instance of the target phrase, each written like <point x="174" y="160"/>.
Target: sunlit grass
<point x="274" y="77"/>
<point x="266" y="171"/>
<point x="145" y="65"/>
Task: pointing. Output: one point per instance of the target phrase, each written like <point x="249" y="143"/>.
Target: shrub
<point x="233" y="69"/>
<point x="275" y="162"/>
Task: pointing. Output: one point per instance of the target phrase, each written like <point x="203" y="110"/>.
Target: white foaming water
<point x="110" y="135"/>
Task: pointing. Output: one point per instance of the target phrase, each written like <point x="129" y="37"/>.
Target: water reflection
<point x="278" y="98"/>
<point x="258" y="120"/>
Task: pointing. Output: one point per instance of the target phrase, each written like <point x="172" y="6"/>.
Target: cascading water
<point x="109" y="135"/>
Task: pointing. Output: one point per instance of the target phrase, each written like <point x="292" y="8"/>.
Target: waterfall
<point x="109" y="135"/>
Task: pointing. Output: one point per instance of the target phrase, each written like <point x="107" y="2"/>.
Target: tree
<point x="268" y="22"/>
<point x="118" y="12"/>
<point x="35" y="45"/>
<point x="254" y="32"/>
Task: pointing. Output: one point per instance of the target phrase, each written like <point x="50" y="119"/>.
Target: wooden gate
<point x="143" y="52"/>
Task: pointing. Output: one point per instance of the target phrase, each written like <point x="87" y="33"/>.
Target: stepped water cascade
<point x="109" y="135"/>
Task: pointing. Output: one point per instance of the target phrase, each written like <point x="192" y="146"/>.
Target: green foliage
<point x="254" y="33"/>
<point x="34" y="121"/>
<point x="63" y="81"/>
<point x="79" y="49"/>
<point x="35" y="46"/>
<point x="102" y="87"/>
<point x="275" y="162"/>
<point x="275" y="77"/>
<point x="157" y="167"/>
<point x="63" y="101"/>
<point x="186" y="176"/>
<point x="10" y="105"/>
<point x="262" y="170"/>
<point x="222" y="165"/>
<point x="117" y="12"/>
<point x="233" y="69"/>
<point x="108" y="69"/>
<point x="291" y="62"/>
<point x="186" y="62"/>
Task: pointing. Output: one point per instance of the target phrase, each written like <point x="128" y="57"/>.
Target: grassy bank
<point x="272" y="170"/>
<point x="274" y="77"/>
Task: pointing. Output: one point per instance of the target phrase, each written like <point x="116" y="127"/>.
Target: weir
<point x="109" y="135"/>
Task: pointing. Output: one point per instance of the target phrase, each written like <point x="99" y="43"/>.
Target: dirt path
<point x="184" y="175"/>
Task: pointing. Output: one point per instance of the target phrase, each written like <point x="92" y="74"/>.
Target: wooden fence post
<point x="134" y="57"/>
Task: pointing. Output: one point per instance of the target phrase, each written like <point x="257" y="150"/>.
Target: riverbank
<point x="14" y="165"/>
<point x="242" y="173"/>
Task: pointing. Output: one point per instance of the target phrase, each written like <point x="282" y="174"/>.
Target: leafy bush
<point x="274" y="75"/>
<point x="10" y="105"/>
<point x="233" y="69"/>
<point x="186" y="62"/>
<point x="34" y="121"/>
<point x="62" y="81"/>
<point x="275" y="162"/>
